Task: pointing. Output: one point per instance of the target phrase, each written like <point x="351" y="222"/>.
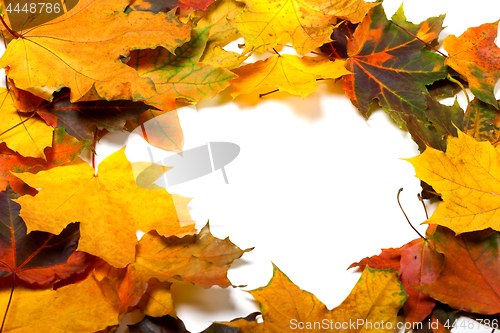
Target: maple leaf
<point x="38" y="257"/>
<point x="180" y="75"/>
<point x="483" y="122"/>
<point x="84" y="307"/>
<point x="417" y="264"/>
<point x="475" y="56"/>
<point x="25" y="134"/>
<point x="376" y="297"/>
<point x="79" y="118"/>
<point x="263" y="23"/>
<point x="47" y="57"/>
<point x="389" y="64"/>
<point x="420" y="264"/>
<point x="466" y="176"/>
<point x="475" y="253"/>
<point x="201" y="259"/>
<point x="288" y="73"/>
<point x="112" y="209"/>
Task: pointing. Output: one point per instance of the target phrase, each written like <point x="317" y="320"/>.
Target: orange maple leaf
<point x="420" y="264"/>
<point x="475" y="55"/>
<point x="83" y="49"/>
<point x="201" y="259"/>
<point x="111" y="207"/>
<point x="469" y="279"/>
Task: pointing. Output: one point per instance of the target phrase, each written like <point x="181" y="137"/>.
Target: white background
<point x="313" y="189"/>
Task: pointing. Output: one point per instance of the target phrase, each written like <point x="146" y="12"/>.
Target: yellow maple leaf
<point x="309" y="23"/>
<point x="88" y="306"/>
<point x="296" y="75"/>
<point x="27" y="135"/>
<point x="375" y="299"/>
<point x="111" y="207"/>
<point x="83" y="48"/>
<point x="467" y="177"/>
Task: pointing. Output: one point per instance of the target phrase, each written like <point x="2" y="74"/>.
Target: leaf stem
<point x="13" y="33"/>
<point x="63" y="4"/>
<point x="411" y="34"/>
<point x="268" y="93"/>
<point x="276" y="90"/>
<point x="93" y="150"/>
<point x="407" y="219"/>
<point x="452" y="79"/>
<point x="423" y="204"/>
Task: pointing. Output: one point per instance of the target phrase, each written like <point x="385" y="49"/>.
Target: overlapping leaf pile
<point x="68" y="231"/>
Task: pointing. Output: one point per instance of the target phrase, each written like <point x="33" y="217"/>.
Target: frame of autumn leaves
<point x="69" y="86"/>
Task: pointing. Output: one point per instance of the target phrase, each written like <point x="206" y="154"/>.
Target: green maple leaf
<point x="181" y="75"/>
<point x="392" y="66"/>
